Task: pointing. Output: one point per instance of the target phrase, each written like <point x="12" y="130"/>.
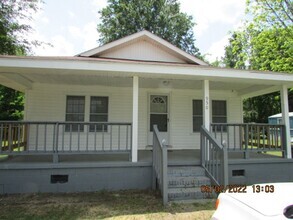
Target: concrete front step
<point x="186" y="171"/>
<point x="184" y="183"/>
<point x="176" y="194"/>
<point x="189" y="181"/>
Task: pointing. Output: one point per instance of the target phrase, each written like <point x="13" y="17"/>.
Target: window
<point x="197" y="115"/>
<point x="99" y="112"/>
<point x="74" y="112"/>
<point x="219" y="111"/>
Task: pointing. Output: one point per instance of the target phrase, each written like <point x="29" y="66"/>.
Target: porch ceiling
<point x="23" y="80"/>
<point x="22" y="73"/>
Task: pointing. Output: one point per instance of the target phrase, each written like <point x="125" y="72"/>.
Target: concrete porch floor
<point x="175" y="157"/>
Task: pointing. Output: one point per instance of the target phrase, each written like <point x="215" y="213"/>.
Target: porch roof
<point x="21" y="73"/>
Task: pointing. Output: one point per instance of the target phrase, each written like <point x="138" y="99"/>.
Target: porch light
<point x="166" y="82"/>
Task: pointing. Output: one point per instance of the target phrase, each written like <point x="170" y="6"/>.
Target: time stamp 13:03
<point x="237" y="189"/>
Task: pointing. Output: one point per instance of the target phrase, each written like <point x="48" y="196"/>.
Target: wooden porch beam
<point x="285" y="117"/>
<point x="135" y="119"/>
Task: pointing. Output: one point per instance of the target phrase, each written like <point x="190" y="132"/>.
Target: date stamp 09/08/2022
<point x="237" y="189"/>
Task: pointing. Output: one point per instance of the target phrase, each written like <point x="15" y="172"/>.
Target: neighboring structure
<point x="108" y="99"/>
<point x="277" y="119"/>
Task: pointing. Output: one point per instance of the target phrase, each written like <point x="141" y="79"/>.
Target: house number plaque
<point x="207" y="102"/>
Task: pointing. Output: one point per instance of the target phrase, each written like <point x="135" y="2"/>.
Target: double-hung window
<point x="219" y="110"/>
<point x="75" y="106"/>
<point x="219" y="113"/>
<point x="197" y="115"/>
<point x="99" y="112"/>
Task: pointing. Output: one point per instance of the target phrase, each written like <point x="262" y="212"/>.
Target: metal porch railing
<point x="160" y="165"/>
<point x="56" y="138"/>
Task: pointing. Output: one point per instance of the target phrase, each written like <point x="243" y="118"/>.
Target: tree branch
<point x="284" y="9"/>
<point x="275" y="13"/>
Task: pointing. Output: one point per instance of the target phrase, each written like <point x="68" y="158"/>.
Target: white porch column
<point x="206" y="104"/>
<point x="285" y="117"/>
<point x="134" y="119"/>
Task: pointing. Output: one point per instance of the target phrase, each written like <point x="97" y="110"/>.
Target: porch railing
<point x="27" y="137"/>
<point x="214" y="158"/>
<point x="250" y="137"/>
<point x="160" y="165"/>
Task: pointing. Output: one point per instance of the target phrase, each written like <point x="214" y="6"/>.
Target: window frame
<point x="211" y="112"/>
<point x="162" y="114"/>
<point x="220" y="116"/>
<point x="218" y="129"/>
<point x="69" y="128"/>
<point x="96" y="129"/>
<point x="197" y="115"/>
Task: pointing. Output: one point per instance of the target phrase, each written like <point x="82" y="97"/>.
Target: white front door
<point x="158" y="115"/>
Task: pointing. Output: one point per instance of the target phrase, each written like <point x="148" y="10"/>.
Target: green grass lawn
<point x="275" y="153"/>
<point x="130" y="204"/>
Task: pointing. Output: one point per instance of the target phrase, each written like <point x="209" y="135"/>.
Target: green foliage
<point x="272" y="50"/>
<point x="259" y="108"/>
<point x="11" y="104"/>
<point x="235" y="56"/>
<point x="264" y="43"/>
<point x="13" y="15"/>
<point x="216" y="63"/>
<point x="271" y="13"/>
<point x="161" y="17"/>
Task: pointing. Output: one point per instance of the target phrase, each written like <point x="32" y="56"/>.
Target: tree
<point x="235" y="54"/>
<point x="161" y="17"/>
<point x="11" y="104"/>
<point x="13" y="41"/>
<point x="272" y="50"/>
<point x="264" y="43"/>
<point x="271" y="13"/>
<point x="13" y="13"/>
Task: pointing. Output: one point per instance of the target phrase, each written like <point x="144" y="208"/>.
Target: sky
<point x="70" y="26"/>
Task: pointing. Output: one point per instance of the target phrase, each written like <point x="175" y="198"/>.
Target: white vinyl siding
<point x="142" y="50"/>
<point x="47" y="102"/>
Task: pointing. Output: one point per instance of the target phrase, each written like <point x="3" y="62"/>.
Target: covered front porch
<point x="191" y="95"/>
<point x="24" y="142"/>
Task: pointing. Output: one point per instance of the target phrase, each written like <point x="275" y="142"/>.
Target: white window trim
<point x="87" y="109"/>
<point x="211" y="111"/>
<point x="227" y="109"/>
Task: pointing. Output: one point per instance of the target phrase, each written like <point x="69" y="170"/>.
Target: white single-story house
<point x="109" y="98"/>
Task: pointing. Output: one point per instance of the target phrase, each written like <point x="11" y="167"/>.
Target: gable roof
<point x="171" y="52"/>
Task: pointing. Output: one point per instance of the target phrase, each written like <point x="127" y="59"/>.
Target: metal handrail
<point x="214" y="158"/>
<point x="160" y="165"/>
